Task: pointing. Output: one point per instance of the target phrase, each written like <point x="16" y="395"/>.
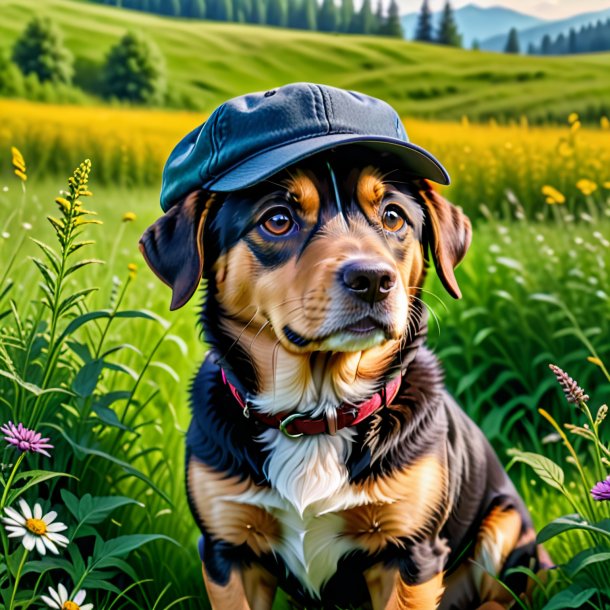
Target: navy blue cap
<point x="251" y="137"/>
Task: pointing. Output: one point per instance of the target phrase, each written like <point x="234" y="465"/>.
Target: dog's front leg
<point x="247" y="588"/>
<point x="415" y="583"/>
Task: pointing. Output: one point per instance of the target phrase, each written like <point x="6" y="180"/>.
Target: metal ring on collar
<point x="287" y="420"/>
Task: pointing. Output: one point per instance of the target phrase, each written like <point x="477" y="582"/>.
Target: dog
<point x="325" y="456"/>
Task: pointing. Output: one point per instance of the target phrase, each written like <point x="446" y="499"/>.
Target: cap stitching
<point x="325" y="108"/>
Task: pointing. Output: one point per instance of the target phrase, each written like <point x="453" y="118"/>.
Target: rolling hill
<point x="208" y="62"/>
<point x="477" y="22"/>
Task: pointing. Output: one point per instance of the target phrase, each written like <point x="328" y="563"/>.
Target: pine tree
<point x="347" y="15"/>
<point x="423" y="33"/>
<point x="221" y="10"/>
<point x="512" y="42"/>
<point x="476" y="45"/>
<point x="379" y="19"/>
<point x="448" y="33"/>
<point x="296" y="14"/>
<point x="545" y="49"/>
<point x="259" y="12"/>
<point x="40" y="50"/>
<point x="327" y="16"/>
<point x="531" y="49"/>
<point x="277" y="13"/>
<point x="310" y="15"/>
<point x="194" y="9"/>
<point x="170" y="7"/>
<point x="572" y="42"/>
<point x="364" y="21"/>
<point x="393" y="25"/>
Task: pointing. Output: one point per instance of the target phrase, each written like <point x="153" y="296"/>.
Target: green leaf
<point x="51" y="255"/>
<point x="71" y="502"/>
<point x="585" y="559"/>
<point x="34" y="389"/>
<point x="93" y="510"/>
<point x="49" y="277"/>
<point x="101" y="580"/>
<point x="128" y="468"/>
<point x="83" y="263"/>
<point x="83" y="319"/>
<point x="572" y="597"/>
<point x="123" y="545"/>
<point x="86" y="380"/>
<point x="107" y="416"/>
<point x="43" y="475"/>
<point x="571" y="522"/>
<point x="73" y="299"/>
<point x="144" y="314"/>
<point x="546" y="469"/>
<point x="482" y="335"/>
<point x="120" y="347"/>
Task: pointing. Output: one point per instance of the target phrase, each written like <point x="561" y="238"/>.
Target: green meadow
<point x="209" y="62"/>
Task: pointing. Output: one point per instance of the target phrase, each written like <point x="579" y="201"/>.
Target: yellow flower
<point x="573" y="118"/>
<point x="132" y="268"/>
<point x="129" y="216"/>
<point x="586" y="187"/>
<point x="564" y="149"/>
<point x="63" y="203"/>
<point x="18" y="160"/>
<point x="553" y="196"/>
<point x="606" y="185"/>
<point x="604" y="122"/>
<point x="575" y="126"/>
<point x="593" y="360"/>
<point x="21" y="175"/>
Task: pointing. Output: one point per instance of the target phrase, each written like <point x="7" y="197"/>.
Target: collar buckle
<point x="287" y="420"/>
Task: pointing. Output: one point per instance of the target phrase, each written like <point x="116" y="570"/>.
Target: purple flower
<point x="573" y="392"/>
<point x="24" y="439"/>
<point x="601" y="491"/>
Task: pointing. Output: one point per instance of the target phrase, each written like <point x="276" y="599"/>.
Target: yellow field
<point x="128" y="147"/>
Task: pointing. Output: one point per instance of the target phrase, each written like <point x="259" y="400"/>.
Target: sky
<point x="546" y="9"/>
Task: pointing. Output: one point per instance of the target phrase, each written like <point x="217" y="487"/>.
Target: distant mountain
<point x="476" y="22"/>
<point x="552" y="28"/>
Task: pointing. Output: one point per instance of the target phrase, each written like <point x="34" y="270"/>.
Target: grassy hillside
<point x="209" y="62"/>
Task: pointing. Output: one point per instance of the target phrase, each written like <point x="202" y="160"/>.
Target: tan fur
<point x="304" y="191"/>
<point x="498" y="536"/>
<point x="370" y="190"/>
<point x="225" y="518"/>
<point x="403" y="505"/>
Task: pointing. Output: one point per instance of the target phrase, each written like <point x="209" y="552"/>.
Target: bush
<point x="135" y="71"/>
<point x="40" y="51"/>
<point x="11" y="79"/>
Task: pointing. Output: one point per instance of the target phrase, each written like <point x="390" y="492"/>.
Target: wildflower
<point x="604" y="122"/>
<point x="26" y="226"/>
<point x="553" y="196"/>
<point x="564" y="149"/>
<point x="573" y="392"/>
<point x="5" y="234"/>
<point x="132" y="268"/>
<point x="128" y="217"/>
<point x="586" y="187"/>
<point x="601" y="490"/>
<point x="573" y="118"/>
<point x="18" y="164"/>
<point x="36" y="530"/>
<point x="575" y="126"/>
<point x="59" y="599"/>
<point x="606" y="185"/>
<point x="601" y="414"/>
<point x="24" y="439"/>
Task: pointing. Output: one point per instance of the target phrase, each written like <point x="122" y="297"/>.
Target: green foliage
<point x="327" y="16"/>
<point x="11" y="78"/>
<point x="364" y="21"/>
<point x="221" y="10"/>
<point x="393" y="24"/>
<point x="424" y="31"/>
<point x="277" y="12"/>
<point x="448" y="33"/>
<point x="135" y="71"/>
<point x="40" y="50"/>
<point x="512" y="42"/>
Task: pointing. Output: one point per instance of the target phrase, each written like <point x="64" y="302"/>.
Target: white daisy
<point x="59" y="599"/>
<point x="36" y="530"/>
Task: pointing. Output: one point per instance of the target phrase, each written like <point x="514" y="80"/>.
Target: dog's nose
<point x="369" y="281"/>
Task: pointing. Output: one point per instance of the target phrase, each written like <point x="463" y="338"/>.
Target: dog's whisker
<point x="243" y="330"/>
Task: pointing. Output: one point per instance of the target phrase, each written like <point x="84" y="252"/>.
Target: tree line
<point x="323" y="16"/>
<point x="590" y="38"/>
<point x="446" y="32"/>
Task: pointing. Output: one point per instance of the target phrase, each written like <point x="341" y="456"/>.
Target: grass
<point x="210" y="62"/>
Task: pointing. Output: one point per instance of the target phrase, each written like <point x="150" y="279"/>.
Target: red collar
<point x="297" y="424"/>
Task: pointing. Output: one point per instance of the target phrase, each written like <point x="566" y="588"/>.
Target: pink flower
<point x="601" y="490"/>
<point x="24" y="439"/>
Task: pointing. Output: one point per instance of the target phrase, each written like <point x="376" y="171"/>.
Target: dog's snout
<point x="369" y="281"/>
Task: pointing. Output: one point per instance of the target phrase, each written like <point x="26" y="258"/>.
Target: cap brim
<point x="419" y="162"/>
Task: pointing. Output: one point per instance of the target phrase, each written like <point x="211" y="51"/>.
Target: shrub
<point x="40" y="50"/>
<point x="135" y="71"/>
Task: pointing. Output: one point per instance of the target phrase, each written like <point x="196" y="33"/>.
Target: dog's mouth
<point x="365" y="331"/>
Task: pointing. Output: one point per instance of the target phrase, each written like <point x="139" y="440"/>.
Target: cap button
<point x="270" y="93"/>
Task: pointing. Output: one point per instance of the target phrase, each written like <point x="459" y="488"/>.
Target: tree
<point x="221" y="10"/>
<point x="259" y="12"/>
<point x="393" y="25"/>
<point x="379" y="19"/>
<point x="170" y="7"/>
<point x="327" y="16"/>
<point x="193" y="8"/>
<point x="546" y="45"/>
<point x="11" y="78"/>
<point x="295" y="14"/>
<point x="531" y="49"/>
<point x="512" y="42"/>
<point x="572" y="42"/>
<point x="476" y="45"/>
<point x="364" y="22"/>
<point x="135" y="70"/>
<point x="40" y="50"/>
<point x="277" y="13"/>
<point x="309" y="16"/>
<point x="347" y="15"/>
<point x="423" y="33"/>
<point x="448" y="33"/>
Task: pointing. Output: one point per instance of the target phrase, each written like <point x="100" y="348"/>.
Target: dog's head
<point x="327" y="256"/>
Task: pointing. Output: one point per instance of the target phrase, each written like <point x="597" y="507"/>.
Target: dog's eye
<point x="278" y="222"/>
<point x="393" y="218"/>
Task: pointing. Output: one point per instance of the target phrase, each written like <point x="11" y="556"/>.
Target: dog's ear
<point x="448" y="233"/>
<point x="173" y="246"/>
